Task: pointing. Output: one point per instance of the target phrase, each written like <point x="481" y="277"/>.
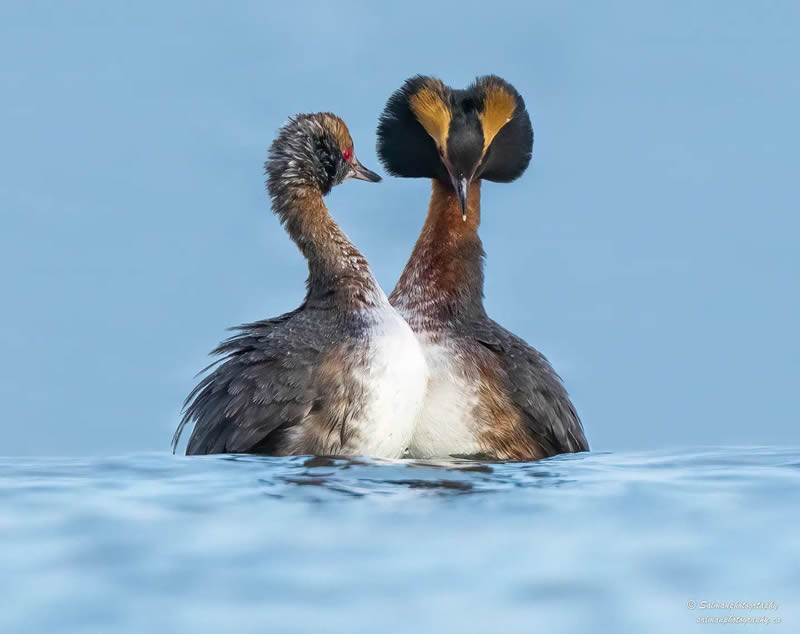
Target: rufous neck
<point x="443" y="279"/>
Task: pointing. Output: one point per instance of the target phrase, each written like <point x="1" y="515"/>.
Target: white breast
<point x="446" y="424"/>
<point x="395" y="378"/>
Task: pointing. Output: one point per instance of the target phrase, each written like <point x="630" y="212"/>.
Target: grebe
<point x="489" y="392"/>
<point x="341" y="375"/>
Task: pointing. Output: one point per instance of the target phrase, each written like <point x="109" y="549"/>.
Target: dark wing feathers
<point x="547" y="412"/>
<point x="260" y="383"/>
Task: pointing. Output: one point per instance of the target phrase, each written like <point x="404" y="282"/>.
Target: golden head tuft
<point x="431" y="108"/>
<point x="498" y="109"/>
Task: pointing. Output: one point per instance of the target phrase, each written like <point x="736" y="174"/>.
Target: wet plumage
<point x="340" y="375"/>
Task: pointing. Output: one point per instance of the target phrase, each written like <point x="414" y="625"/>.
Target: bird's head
<point x="429" y="130"/>
<point x="313" y="150"/>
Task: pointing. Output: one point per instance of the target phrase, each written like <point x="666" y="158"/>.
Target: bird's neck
<point x="337" y="272"/>
<point x="443" y="280"/>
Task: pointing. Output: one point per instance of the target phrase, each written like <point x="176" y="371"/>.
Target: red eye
<point x="346" y="154"/>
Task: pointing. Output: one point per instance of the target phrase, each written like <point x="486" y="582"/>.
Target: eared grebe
<point x="341" y="375"/>
<point x="489" y="392"/>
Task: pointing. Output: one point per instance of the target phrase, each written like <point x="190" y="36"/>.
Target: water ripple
<point x="589" y="542"/>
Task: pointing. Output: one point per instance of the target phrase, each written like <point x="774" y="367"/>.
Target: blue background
<point x="649" y="251"/>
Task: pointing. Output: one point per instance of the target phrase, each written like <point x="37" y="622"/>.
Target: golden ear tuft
<point x="498" y="109"/>
<point x="432" y="110"/>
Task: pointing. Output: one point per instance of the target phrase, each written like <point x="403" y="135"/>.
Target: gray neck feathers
<point x="338" y="272"/>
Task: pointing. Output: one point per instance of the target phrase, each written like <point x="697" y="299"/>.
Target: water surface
<point x="592" y="542"/>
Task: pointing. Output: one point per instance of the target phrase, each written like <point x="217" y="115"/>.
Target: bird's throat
<point x="337" y="270"/>
<point x="443" y="279"/>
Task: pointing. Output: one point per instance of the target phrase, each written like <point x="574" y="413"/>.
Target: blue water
<point x="588" y="543"/>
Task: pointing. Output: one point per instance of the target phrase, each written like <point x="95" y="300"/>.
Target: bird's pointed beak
<point x="362" y="173"/>
<point x="461" y="185"/>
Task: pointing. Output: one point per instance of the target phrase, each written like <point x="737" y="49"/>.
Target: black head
<point x="429" y="130"/>
<point x="313" y="150"/>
